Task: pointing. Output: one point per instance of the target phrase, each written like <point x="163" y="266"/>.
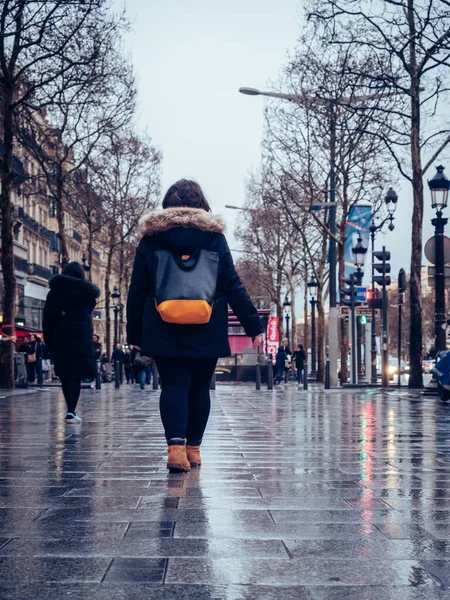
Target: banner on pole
<point x="358" y="223"/>
<point x="273" y="340"/>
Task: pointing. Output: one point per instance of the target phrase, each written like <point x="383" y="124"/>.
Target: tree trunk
<point x="9" y="278"/>
<point x="343" y="338"/>
<point x="108" y="304"/>
<point x="306" y="341"/>
<point x="90" y="245"/>
<point x="320" y="337"/>
<point x="293" y="318"/>
<point x="415" y="340"/>
<point x="64" y="252"/>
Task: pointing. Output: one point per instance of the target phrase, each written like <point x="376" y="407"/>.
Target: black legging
<point x="185" y="401"/>
<point x="71" y="389"/>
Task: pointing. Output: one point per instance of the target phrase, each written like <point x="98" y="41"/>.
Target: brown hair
<point x="186" y="193"/>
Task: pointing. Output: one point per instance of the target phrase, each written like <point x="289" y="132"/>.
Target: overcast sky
<point x="190" y="57"/>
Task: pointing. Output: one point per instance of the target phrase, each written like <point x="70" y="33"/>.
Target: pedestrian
<point x="39" y="354"/>
<point x="128" y="366"/>
<point x="97" y="347"/>
<point x="299" y="357"/>
<point x="287" y="363"/>
<point x="280" y="365"/>
<point x="117" y="359"/>
<point x="140" y="368"/>
<point x="177" y="312"/>
<point x="68" y="332"/>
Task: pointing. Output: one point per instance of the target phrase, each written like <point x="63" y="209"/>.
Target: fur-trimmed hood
<point x="184" y="217"/>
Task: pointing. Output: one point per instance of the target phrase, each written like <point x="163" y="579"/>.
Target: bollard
<point x="258" y="376"/>
<point x="270" y="374"/>
<point x="213" y="382"/>
<point x="327" y="374"/>
<point x="155" y="376"/>
<point x="39" y="371"/>
<point x="305" y="376"/>
<point x="117" y="375"/>
<point x="98" y="379"/>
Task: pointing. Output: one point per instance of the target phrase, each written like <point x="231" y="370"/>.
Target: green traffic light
<point x="364" y="319"/>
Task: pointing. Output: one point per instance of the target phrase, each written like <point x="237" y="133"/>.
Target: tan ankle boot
<point x="177" y="459"/>
<point x="193" y="455"/>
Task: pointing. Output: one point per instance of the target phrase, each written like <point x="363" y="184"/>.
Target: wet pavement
<point x="318" y="496"/>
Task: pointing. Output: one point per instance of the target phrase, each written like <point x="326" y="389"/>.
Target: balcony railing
<point x="21" y="264"/>
<point x="32" y="224"/>
<point x="39" y="271"/>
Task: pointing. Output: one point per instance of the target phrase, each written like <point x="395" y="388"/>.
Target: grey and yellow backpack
<point x="185" y="286"/>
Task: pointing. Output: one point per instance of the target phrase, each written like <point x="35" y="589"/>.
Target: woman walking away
<point x="68" y="332"/>
<point x="183" y="280"/>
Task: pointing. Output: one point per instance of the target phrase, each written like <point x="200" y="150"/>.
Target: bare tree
<point x="409" y="45"/>
<point x="127" y="173"/>
<point x="41" y="43"/>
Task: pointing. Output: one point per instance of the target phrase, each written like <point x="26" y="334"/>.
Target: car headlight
<point x="392" y="369"/>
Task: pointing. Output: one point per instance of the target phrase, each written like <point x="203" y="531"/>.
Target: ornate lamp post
<point x="85" y="264"/>
<point x="359" y="253"/>
<point x="115" y="295"/>
<point x="313" y="285"/>
<point x="287" y="305"/>
<point x="390" y="200"/>
<point x="439" y="187"/>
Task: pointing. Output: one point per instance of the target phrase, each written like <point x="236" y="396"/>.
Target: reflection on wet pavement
<point x="301" y="495"/>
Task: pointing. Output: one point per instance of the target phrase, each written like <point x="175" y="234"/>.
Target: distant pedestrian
<point x="128" y="366"/>
<point x="117" y="359"/>
<point x="299" y="357"/>
<point x="280" y="365"/>
<point x="97" y="347"/>
<point x="183" y="280"/>
<point x="68" y="332"/>
<point x="140" y="368"/>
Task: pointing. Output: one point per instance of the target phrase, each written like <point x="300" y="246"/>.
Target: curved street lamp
<point x="390" y="200"/>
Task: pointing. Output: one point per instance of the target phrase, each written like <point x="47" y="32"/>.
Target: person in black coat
<point x="299" y="357"/>
<point x="68" y="332"/>
<point x="280" y="364"/>
<point x="186" y="355"/>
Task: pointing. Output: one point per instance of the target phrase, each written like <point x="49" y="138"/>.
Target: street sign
<point x="359" y="310"/>
<point x="430" y="250"/>
<point x="360" y="293"/>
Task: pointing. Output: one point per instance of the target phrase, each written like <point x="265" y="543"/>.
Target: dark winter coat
<point x="68" y="326"/>
<point x="280" y="360"/>
<point x="299" y="357"/>
<point x="183" y="231"/>
<point x="97" y="350"/>
<point x="117" y="356"/>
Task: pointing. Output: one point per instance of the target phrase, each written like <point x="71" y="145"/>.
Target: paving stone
<point x="301" y="496"/>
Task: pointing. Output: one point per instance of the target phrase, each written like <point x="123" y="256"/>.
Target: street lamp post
<point x="115" y="295"/>
<point x="86" y="266"/>
<point x="359" y="253"/>
<point x="287" y="304"/>
<point x="439" y="187"/>
<point x="391" y="203"/>
<point x="313" y="285"/>
<point x="330" y="105"/>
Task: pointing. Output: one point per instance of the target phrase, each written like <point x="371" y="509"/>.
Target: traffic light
<point x="384" y="267"/>
<point x="363" y="319"/>
<point x="348" y="295"/>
